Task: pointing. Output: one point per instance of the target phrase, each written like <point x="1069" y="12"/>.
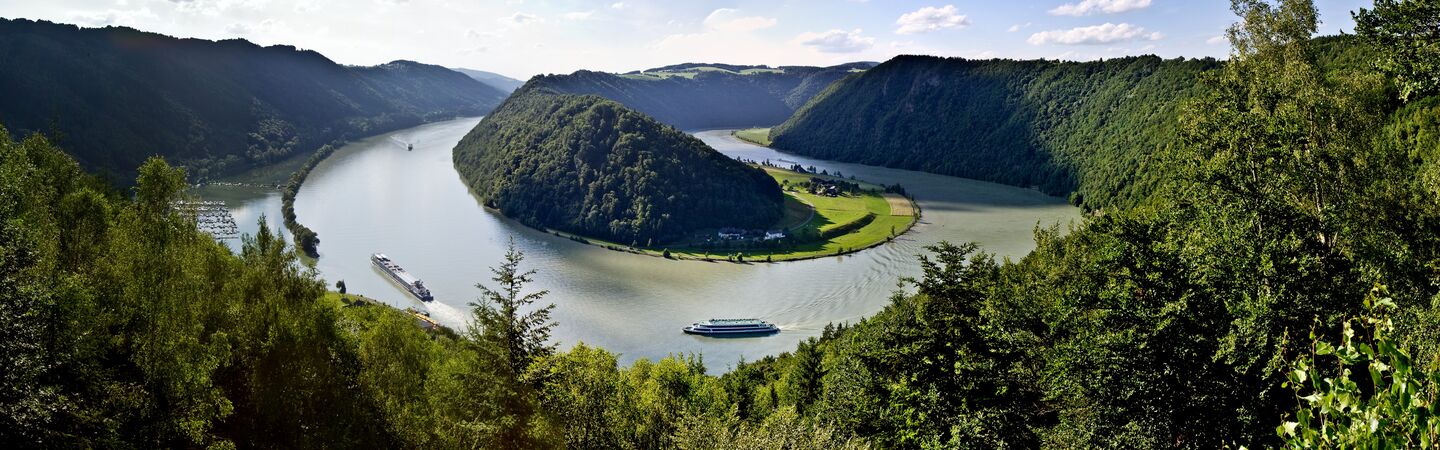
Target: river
<point x="375" y="196"/>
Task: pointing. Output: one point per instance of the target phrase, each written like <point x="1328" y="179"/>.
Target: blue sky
<point x="521" y="38"/>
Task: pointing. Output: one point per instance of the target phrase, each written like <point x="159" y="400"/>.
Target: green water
<point x="375" y="196"/>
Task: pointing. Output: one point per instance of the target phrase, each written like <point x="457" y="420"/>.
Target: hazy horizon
<point x="522" y="38"/>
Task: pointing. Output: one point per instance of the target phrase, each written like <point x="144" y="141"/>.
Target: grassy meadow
<point x="757" y="136"/>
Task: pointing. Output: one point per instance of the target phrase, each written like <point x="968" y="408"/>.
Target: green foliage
<point x="26" y="405"/>
<point x="504" y="319"/>
<point x="1292" y="185"/>
<point x="1058" y="126"/>
<point x="785" y="429"/>
<point x="306" y="239"/>
<point x="115" y="96"/>
<point x="1406" y="33"/>
<point x="1291" y="189"/>
<point x="126" y="327"/>
<point x="1339" y="406"/>
<point x="590" y="166"/>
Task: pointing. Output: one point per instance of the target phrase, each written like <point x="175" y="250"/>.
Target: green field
<point x="757" y="136"/>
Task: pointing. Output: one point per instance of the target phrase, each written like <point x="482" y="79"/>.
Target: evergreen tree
<point x="502" y="321"/>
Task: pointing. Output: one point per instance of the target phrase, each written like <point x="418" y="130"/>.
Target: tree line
<point x="1278" y="289"/>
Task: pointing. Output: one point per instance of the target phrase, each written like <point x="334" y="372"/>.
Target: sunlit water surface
<point x="375" y="196"/>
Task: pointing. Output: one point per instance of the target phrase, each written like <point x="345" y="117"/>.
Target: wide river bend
<point x="375" y="196"/>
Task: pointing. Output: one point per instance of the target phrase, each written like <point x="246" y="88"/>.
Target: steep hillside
<point x="114" y="96"/>
<point x="591" y="166"/>
<point x="698" y="96"/>
<point x="1061" y="127"/>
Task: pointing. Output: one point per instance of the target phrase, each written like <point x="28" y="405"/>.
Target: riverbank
<point x="367" y="312"/>
<point x="374" y="196"/>
<point x="815" y="224"/>
<point x="305" y="239"/>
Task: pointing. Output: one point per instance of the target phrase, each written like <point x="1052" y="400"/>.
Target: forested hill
<point x="114" y="96"/>
<point x="698" y="96"/>
<point x="1088" y="127"/>
<point x="591" y="166"/>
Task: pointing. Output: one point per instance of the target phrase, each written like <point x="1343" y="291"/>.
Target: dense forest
<point x="591" y="166"/>
<point x="688" y="97"/>
<point x="1060" y="126"/>
<point x="1088" y="130"/>
<point x="115" y="96"/>
<point x="1278" y="288"/>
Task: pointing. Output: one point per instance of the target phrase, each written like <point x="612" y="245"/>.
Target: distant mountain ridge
<point x="495" y="80"/>
<point x="114" y="96"/>
<point x="699" y="96"/>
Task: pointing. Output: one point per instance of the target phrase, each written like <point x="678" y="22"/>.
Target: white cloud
<point x="723" y="31"/>
<point x="728" y="19"/>
<point x="216" y="7"/>
<point x="1095" y="35"/>
<point x="929" y="18"/>
<point x="1216" y="40"/>
<point x="519" y="19"/>
<point x="306" y="6"/>
<point x="836" y="41"/>
<point x="618" y="5"/>
<point x="471" y="33"/>
<point x="1088" y="7"/>
<point x="579" y="15"/>
<point x="244" y="29"/>
<point x="112" y="17"/>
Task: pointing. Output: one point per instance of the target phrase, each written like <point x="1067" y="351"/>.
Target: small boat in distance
<point x="406" y="280"/>
<point x="732" y="327"/>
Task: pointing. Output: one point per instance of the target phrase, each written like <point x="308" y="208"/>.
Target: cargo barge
<point x="411" y="284"/>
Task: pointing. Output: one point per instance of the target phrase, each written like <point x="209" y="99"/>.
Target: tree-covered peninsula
<point x="587" y="165"/>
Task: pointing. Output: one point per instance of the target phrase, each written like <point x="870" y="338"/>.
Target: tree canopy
<point x="1277" y="288"/>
